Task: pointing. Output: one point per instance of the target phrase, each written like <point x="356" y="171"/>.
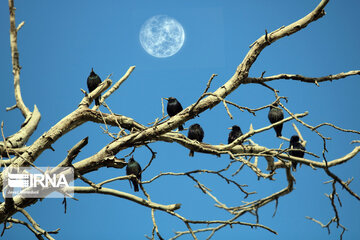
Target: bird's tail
<point x="191" y="154"/>
<point x="97" y="101"/>
<point x="278" y="130"/>
<point x="136" y="186"/>
<point x="181" y="127"/>
<point x="293" y="164"/>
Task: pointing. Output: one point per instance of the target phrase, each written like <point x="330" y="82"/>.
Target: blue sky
<point x="62" y="40"/>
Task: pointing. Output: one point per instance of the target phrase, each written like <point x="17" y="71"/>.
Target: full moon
<point x="162" y="36"/>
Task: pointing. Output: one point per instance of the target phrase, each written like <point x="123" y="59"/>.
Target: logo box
<point x="39" y="182"/>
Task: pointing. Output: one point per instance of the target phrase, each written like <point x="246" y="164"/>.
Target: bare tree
<point x="131" y="135"/>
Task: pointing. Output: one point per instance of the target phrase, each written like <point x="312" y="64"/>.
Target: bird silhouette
<point x="174" y="107"/>
<point x="195" y="133"/>
<point x="296" y="144"/>
<point x="234" y="133"/>
<point x="276" y="114"/>
<point x="133" y="167"/>
<point x="93" y="82"/>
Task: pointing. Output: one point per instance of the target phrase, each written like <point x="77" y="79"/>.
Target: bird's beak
<point x="230" y="128"/>
<point x="166" y="98"/>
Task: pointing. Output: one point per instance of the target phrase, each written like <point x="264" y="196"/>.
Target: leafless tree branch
<point x="133" y="135"/>
<point x="302" y="78"/>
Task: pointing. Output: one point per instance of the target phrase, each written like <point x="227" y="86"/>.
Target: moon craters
<point x="162" y="36"/>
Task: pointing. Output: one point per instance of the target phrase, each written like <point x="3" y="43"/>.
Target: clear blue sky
<point x="62" y="40"/>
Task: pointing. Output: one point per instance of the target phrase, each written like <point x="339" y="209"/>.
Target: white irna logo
<point x="37" y="180"/>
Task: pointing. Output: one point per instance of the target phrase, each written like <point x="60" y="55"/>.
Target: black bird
<point x="93" y="82"/>
<point x="195" y="133"/>
<point x="133" y="167"/>
<point x="234" y="133"/>
<point x="276" y="114"/>
<point x="296" y="144"/>
<point x="173" y="108"/>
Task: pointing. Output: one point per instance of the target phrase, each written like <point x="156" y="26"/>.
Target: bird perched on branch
<point x="174" y="107"/>
<point x="275" y="115"/>
<point x="133" y="167"/>
<point x="234" y="133"/>
<point x="195" y="133"/>
<point x="93" y="82"/>
<point x="296" y="144"/>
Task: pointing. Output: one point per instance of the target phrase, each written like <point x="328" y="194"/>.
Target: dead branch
<point x="161" y="131"/>
<point x="15" y="61"/>
<point x="133" y="198"/>
<point x="35" y="225"/>
<point x="301" y="78"/>
<point x="115" y="87"/>
<point x="36" y="233"/>
<point x="73" y="152"/>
